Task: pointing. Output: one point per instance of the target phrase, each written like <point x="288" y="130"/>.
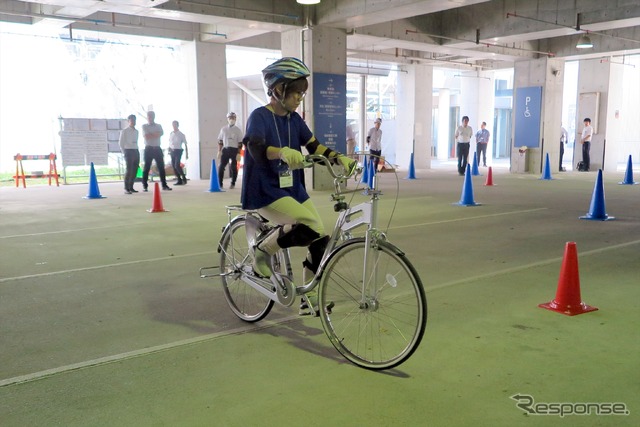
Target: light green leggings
<point x="289" y="211"/>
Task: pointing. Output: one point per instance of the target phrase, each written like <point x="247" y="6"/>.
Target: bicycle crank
<point x="285" y="289"/>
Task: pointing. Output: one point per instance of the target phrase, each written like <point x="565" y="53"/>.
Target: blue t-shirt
<point x="261" y="179"/>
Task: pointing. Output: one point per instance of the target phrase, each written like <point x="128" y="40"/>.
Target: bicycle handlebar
<point x="310" y="159"/>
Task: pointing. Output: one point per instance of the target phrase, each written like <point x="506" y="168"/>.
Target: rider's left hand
<point x="348" y="164"/>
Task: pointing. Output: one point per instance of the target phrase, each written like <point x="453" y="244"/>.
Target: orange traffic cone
<point x="568" y="300"/>
<point x="157" y="200"/>
<point x="489" y="180"/>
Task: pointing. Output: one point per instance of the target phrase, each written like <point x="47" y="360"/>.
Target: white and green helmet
<point x="284" y="70"/>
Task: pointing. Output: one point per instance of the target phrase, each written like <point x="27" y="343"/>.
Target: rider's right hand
<point x="293" y="158"/>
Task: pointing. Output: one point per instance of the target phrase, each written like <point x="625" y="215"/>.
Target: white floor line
<point x="72" y="230"/>
<point x="444" y="221"/>
<point x="527" y="266"/>
<point x="98" y="267"/>
<point x="142" y="352"/>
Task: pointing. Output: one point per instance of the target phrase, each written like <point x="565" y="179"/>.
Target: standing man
<point x="564" y="138"/>
<point x="587" y="133"/>
<point x="129" y="147"/>
<point x="176" y="139"/>
<point x="374" y="139"/>
<point x="351" y="141"/>
<point x="152" y="132"/>
<point x="229" y="144"/>
<point x="463" y="138"/>
<point x="482" y="139"/>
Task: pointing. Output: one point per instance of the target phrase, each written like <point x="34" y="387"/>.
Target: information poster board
<point x="527" y="119"/>
<point x="329" y="107"/>
<point x="84" y="141"/>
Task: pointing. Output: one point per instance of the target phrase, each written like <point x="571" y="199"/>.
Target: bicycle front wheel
<point x="235" y="258"/>
<point x="376" y="316"/>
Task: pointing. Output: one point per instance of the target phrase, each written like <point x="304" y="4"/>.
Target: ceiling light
<point x="308" y="1"/>
<point x="584" y="42"/>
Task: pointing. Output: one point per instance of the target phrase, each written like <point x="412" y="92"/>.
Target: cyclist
<point x="272" y="182"/>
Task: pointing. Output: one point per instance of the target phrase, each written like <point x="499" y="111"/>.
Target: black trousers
<point x="151" y="154"/>
<point x="561" y="154"/>
<point x="463" y="156"/>
<point x="228" y="153"/>
<point x="586" y="157"/>
<point x="482" y="148"/>
<point x="376" y="158"/>
<point x="132" y="162"/>
<point x="176" y="157"/>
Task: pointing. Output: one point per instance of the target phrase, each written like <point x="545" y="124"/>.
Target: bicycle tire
<point x="383" y="326"/>
<point x="236" y="258"/>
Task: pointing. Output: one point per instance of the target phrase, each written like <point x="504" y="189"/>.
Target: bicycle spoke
<point x="380" y="324"/>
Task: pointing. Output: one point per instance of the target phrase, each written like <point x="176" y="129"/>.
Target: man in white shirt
<point x="176" y="139"/>
<point x="564" y="138"/>
<point x="374" y="139"/>
<point x="463" y="138"/>
<point x="152" y="132"/>
<point x="587" y="133"/>
<point x="129" y="147"/>
<point x="351" y="141"/>
<point x="229" y="144"/>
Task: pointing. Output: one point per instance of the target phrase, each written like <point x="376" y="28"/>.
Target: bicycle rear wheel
<point x="376" y="321"/>
<point x="235" y="258"/>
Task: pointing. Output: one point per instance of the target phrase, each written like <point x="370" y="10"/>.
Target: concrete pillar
<point x="415" y="103"/>
<point x="547" y="74"/>
<point x="324" y="51"/>
<point x="444" y="105"/>
<point x="486" y="108"/>
<point x="616" y="151"/>
<point x="208" y="90"/>
<point x="596" y="79"/>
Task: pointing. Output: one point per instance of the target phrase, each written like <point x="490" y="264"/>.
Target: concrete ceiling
<point x="477" y="34"/>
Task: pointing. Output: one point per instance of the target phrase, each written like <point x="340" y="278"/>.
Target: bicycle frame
<point x="349" y="219"/>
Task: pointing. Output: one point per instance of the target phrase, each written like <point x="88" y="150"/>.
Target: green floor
<point x="104" y="320"/>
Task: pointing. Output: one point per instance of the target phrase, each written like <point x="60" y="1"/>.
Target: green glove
<point x="293" y="158"/>
<point x="348" y="164"/>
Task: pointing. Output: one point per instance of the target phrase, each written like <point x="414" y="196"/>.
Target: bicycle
<point x="372" y="302"/>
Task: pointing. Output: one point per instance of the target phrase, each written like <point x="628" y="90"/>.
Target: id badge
<point x="286" y="179"/>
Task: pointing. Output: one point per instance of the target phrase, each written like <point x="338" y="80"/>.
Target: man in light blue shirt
<point x="482" y="139"/>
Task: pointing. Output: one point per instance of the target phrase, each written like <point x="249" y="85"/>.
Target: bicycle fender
<point x="226" y="229"/>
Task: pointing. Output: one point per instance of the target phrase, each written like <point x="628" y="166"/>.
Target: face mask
<point x="231" y="122"/>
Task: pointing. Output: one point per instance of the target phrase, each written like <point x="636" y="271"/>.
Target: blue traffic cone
<point x="474" y="168"/>
<point x="94" y="191"/>
<point x="365" y="172"/>
<point x="412" y="169"/>
<point x="466" y="198"/>
<point x="214" y="186"/>
<point x="597" y="209"/>
<point x="628" y="175"/>
<point x="546" y="173"/>
<point x="372" y="172"/>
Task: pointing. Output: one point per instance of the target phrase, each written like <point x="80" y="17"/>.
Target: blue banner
<point x="528" y="115"/>
<point x="330" y="110"/>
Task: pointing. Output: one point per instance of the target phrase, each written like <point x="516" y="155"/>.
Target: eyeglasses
<point x="300" y="94"/>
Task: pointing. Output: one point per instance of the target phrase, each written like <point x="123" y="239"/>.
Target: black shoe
<point x="166" y="188"/>
<point x="145" y="189"/>
<point x="179" y="183"/>
<point x="133" y="191"/>
<point x="127" y="192"/>
<point x="232" y="186"/>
